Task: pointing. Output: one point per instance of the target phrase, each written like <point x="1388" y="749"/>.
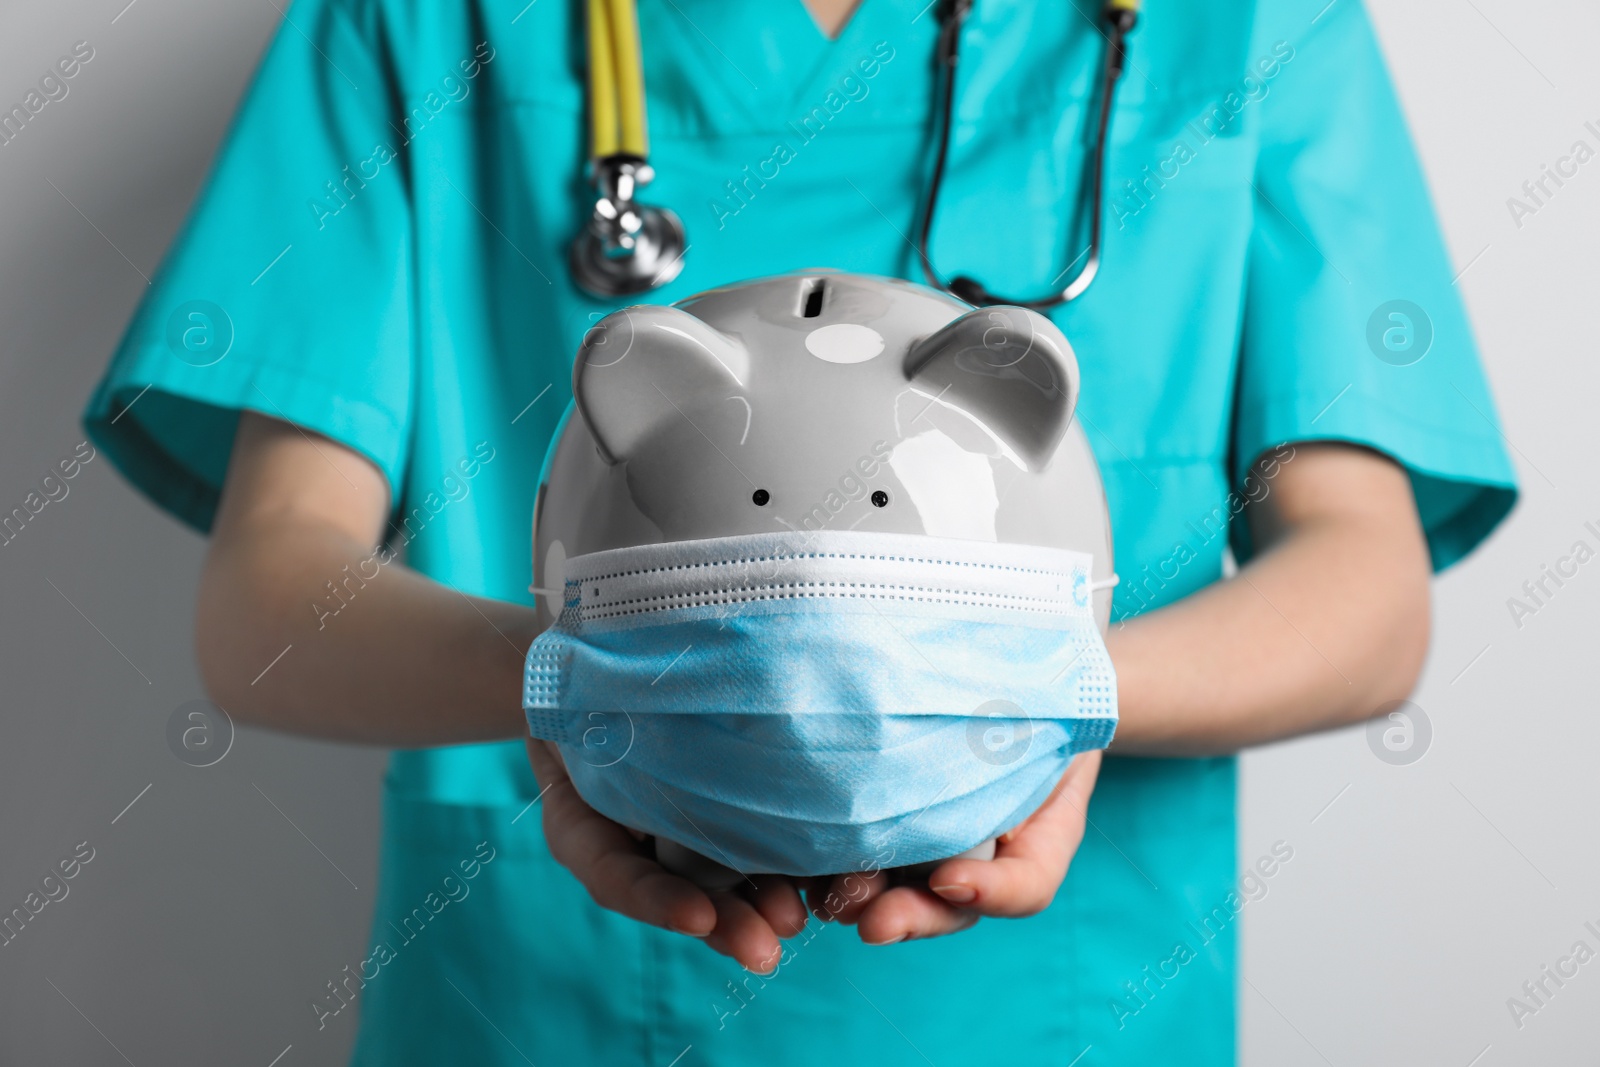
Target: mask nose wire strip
<point x="616" y="81"/>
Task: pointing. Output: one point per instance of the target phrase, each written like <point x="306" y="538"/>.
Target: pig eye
<point x="880" y="499"/>
<point x="760" y="497"/>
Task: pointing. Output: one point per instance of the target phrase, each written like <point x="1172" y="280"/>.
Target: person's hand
<point x="1029" y="865"/>
<point x="618" y="868"/>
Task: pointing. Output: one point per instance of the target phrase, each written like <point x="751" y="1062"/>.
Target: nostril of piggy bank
<point x="825" y="565"/>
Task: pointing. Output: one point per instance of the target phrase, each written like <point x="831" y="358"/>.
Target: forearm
<point x="302" y="627"/>
<point x="1317" y="632"/>
<point x="386" y="656"/>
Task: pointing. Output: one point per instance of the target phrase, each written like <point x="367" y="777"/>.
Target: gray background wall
<point x="1419" y="898"/>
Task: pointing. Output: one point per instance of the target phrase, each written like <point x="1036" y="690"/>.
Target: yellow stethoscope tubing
<point x="616" y="81"/>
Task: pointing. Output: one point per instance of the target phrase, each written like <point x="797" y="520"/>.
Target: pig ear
<point x="643" y="365"/>
<point x="1010" y="369"/>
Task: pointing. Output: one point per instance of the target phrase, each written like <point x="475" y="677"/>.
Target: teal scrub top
<point x="379" y="256"/>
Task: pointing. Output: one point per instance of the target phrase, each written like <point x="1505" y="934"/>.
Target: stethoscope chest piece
<point x="627" y="247"/>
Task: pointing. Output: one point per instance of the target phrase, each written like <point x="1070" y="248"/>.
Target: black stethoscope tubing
<point x="1120" y="18"/>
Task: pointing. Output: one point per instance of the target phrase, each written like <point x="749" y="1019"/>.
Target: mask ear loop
<point x="1106" y="583"/>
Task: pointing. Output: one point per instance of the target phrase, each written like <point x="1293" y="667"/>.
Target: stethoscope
<point x="628" y="247"/>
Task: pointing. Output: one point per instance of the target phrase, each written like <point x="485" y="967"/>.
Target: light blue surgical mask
<point x="813" y="703"/>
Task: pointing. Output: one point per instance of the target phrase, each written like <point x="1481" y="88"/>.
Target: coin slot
<point x="811" y="298"/>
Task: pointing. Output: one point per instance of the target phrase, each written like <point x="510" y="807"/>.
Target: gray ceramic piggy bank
<point x="818" y="401"/>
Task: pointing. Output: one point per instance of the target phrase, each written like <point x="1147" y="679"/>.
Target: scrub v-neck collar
<point x="771" y="56"/>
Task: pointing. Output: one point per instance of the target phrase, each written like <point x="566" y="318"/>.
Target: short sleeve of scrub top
<point x="309" y="322"/>
<point x="1354" y="328"/>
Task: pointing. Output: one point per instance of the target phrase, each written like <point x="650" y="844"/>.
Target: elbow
<point x="214" y="649"/>
<point x="1410" y="652"/>
<point x="1400" y="648"/>
<point x="230" y="651"/>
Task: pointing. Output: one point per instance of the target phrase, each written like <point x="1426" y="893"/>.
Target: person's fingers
<point x="777" y="900"/>
<point x="814" y="890"/>
<point x="607" y="860"/>
<point x="742" y="933"/>
<point x="1070" y="798"/>
<point x="850" y="894"/>
<point x="907" y="913"/>
<point x="842" y="897"/>
<point x="1030" y="863"/>
<point x="1031" y="860"/>
<point x="547" y="765"/>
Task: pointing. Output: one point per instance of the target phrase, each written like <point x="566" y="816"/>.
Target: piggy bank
<point x="809" y="403"/>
